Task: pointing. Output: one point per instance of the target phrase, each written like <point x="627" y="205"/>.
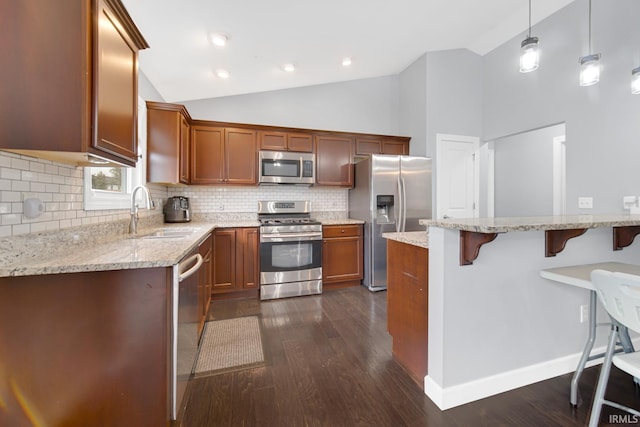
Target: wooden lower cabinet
<point x="86" y="349"/>
<point x="342" y="256"/>
<point x="205" y="281"/>
<point x="236" y="263"/>
<point x="407" y="305"/>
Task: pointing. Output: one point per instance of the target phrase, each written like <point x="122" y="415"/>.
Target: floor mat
<point x="230" y="344"/>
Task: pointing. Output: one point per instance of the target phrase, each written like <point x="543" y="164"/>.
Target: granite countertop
<point x="109" y="247"/>
<point x="415" y="238"/>
<point x="560" y="222"/>
<point x="120" y="252"/>
<point x="344" y="221"/>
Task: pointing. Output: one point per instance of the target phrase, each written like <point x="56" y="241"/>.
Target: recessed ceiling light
<point x="219" y="39"/>
<point x="222" y="74"/>
<point x="290" y="68"/>
<point x="346" y="61"/>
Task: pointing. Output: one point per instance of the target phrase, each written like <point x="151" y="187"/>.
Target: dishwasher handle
<point x="192" y="270"/>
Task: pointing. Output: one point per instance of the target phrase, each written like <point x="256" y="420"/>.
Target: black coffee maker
<point x="177" y="209"/>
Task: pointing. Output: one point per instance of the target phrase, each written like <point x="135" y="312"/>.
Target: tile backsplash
<point x="222" y="199"/>
<point x="60" y="188"/>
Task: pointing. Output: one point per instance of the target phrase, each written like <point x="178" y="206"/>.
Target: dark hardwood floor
<point x="329" y="363"/>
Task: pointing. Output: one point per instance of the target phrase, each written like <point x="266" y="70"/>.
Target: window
<point x="110" y="187"/>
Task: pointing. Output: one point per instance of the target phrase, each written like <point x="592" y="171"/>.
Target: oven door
<point x="290" y="258"/>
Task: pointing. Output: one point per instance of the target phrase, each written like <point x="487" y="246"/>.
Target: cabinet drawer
<point x="341" y="230"/>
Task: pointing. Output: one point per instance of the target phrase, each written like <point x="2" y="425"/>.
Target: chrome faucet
<point x="133" y="224"/>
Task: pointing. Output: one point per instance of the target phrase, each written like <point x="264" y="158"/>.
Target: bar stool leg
<point x="626" y="343"/>
<point x="588" y="346"/>
<point x="603" y="378"/>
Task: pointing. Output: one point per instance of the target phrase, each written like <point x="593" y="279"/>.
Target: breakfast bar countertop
<point x="533" y="223"/>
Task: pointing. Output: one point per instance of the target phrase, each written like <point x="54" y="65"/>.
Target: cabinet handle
<point x="342" y="231"/>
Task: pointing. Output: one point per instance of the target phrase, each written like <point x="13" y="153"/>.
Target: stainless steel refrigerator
<point x="391" y="194"/>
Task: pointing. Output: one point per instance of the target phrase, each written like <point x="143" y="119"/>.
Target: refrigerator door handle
<point x="403" y="200"/>
<point x="399" y="204"/>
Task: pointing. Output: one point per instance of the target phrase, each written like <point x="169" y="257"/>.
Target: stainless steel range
<point x="290" y="250"/>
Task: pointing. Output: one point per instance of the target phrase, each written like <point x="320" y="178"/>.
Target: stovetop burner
<point x="287" y="221"/>
<point x="278" y="213"/>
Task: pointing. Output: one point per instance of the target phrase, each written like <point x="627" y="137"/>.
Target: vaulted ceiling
<point x="382" y="37"/>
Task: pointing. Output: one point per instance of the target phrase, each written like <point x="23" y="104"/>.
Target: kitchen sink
<point x="168" y="233"/>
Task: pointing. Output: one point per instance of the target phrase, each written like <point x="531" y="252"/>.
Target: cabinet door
<point x="342" y="254"/>
<point x="390" y="146"/>
<point x="205" y="277"/>
<point x="366" y="146"/>
<point x="115" y="87"/>
<point x="341" y="259"/>
<point x="207" y="155"/>
<point x="301" y="142"/>
<point x="224" y="260"/>
<point x="249" y="253"/>
<point x="272" y="140"/>
<point x="184" y="160"/>
<point x="334" y="161"/>
<point x="241" y="156"/>
<point x="163" y="132"/>
<point x="407" y="305"/>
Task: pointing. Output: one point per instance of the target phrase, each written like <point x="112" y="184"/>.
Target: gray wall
<point x="454" y="95"/>
<point x="367" y="105"/>
<point x="413" y="105"/>
<point x="146" y="90"/>
<point x="602" y="125"/>
<point x="524" y="172"/>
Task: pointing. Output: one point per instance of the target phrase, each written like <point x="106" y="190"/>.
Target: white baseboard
<point x="449" y="397"/>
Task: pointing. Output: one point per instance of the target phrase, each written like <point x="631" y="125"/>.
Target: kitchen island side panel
<point x="497" y="325"/>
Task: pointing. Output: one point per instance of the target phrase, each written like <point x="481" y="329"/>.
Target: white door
<point x="457" y="176"/>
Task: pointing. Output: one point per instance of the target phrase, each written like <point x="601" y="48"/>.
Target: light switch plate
<point x="585" y="202"/>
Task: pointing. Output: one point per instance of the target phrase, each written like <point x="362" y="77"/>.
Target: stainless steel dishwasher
<point x="184" y="330"/>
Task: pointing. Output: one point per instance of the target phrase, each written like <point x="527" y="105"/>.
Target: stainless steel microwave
<point x="286" y="167"/>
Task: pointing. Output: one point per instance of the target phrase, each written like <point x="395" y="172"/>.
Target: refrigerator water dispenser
<point x="384" y="209"/>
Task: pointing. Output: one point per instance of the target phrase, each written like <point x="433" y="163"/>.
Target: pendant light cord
<point x="529" y="36"/>
<point x="590" y="51"/>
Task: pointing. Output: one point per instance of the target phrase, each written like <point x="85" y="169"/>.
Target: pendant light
<point x="529" y="51"/>
<point x="635" y="81"/>
<point x="590" y="64"/>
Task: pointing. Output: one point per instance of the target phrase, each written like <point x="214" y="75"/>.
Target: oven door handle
<point x="289" y="237"/>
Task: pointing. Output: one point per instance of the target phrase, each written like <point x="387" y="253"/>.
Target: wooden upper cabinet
<point x="77" y="101"/>
<point x="395" y="146"/>
<point x="285" y="141"/>
<point x="168" y="137"/>
<point x="207" y="155"/>
<point x="380" y="145"/>
<point x="185" y="143"/>
<point x="241" y="158"/>
<point x="223" y="155"/>
<point x="334" y="160"/>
